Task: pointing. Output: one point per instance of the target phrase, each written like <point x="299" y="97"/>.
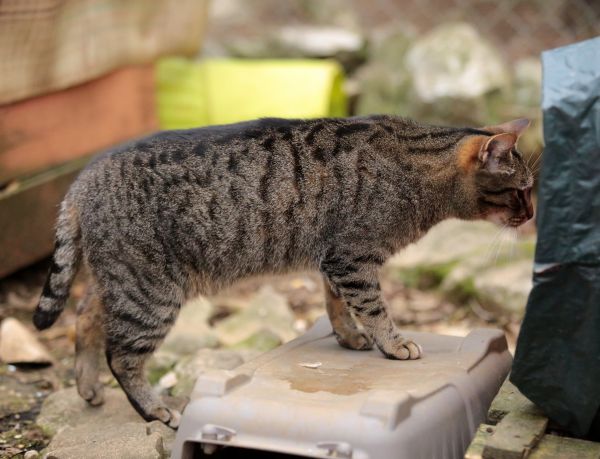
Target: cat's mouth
<point x="506" y="217"/>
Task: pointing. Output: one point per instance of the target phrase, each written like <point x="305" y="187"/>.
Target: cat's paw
<point x="402" y="350"/>
<point x="88" y="386"/>
<point x="354" y="339"/>
<point x="167" y="416"/>
<point x="92" y="393"/>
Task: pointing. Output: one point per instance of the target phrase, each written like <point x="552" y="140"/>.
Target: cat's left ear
<point x="514" y="127"/>
<point x="496" y="149"/>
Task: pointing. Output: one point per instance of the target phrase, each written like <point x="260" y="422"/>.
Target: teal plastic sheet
<point x="557" y="361"/>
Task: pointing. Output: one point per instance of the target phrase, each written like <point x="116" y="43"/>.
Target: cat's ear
<point x="484" y="151"/>
<point x="495" y="149"/>
<point x="515" y="127"/>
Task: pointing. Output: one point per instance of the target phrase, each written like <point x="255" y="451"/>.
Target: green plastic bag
<point x="221" y="91"/>
<point x="557" y="361"/>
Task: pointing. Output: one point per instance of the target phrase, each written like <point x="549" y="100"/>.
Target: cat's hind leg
<point x="344" y="325"/>
<point x="134" y="329"/>
<point x="89" y="345"/>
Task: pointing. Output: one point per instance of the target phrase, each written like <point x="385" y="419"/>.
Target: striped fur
<point x="187" y="212"/>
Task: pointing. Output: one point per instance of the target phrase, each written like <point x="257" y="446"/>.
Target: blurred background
<point x="78" y="77"/>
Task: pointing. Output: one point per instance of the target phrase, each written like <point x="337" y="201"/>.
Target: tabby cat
<point x="182" y="213"/>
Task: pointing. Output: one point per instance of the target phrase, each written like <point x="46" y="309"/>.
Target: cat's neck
<point x="426" y="161"/>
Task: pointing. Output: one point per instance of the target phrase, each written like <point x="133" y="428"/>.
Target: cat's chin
<point x="498" y="218"/>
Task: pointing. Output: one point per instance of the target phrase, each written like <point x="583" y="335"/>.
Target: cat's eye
<point x="502" y="191"/>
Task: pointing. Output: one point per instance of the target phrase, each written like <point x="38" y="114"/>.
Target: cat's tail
<point x="64" y="266"/>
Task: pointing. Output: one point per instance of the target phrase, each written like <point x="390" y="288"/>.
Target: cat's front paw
<point x="402" y="349"/>
<point x="167" y="416"/>
<point x="354" y="339"/>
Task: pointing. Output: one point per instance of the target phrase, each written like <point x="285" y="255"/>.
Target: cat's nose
<point x="525" y="197"/>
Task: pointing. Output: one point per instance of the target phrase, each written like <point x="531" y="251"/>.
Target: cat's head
<point x="500" y="181"/>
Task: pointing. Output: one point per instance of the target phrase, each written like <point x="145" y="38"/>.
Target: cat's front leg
<point x="345" y="328"/>
<point x="360" y="288"/>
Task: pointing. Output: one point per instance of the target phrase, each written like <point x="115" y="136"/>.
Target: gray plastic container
<point x="312" y="398"/>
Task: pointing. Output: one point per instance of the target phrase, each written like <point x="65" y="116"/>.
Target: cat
<point x="182" y="213"/>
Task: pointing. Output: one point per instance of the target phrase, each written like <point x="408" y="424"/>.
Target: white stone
<point x="454" y="60"/>
<point x="19" y="345"/>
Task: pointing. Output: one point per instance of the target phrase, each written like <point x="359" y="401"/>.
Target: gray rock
<point x="454" y="60"/>
<point x="261" y="341"/>
<point x="65" y="408"/>
<point x="267" y="310"/>
<point x="191" y="330"/>
<point x="505" y="287"/>
<point x="110" y="430"/>
<point x="384" y="84"/>
<point x="528" y="81"/>
<point x="189" y="368"/>
<point x="318" y="41"/>
<point x="132" y="440"/>
<point x="471" y="260"/>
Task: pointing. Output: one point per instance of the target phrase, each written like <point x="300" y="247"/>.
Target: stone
<point x="113" y="429"/>
<point x="505" y="287"/>
<point x="189" y="368"/>
<point x="19" y="345"/>
<point x="65" y="408"/>
<point x="384" y="84"/>
<point x="131" y="440"/>
<point x="471" y="260"/>
<point x="267" y="310"/>
<point x="262" y="341"/>
<point x="454" y="60"/>
<point x="31" y="454"/>
<point x="528" y="81"/>
<point x="318" y="41"/>
<point x="191" y="330"/>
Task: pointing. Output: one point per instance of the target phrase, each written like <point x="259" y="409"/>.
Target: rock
<point x="19" y="345"/>
<point x="262" y="341"/>
<point x="191" y="330"/>
<point x="168" y="380"/>
<point x="133" y="440"/>
<point x="471" y="260"/>
<point x="319" y="41"/>
<point x="189" y="368"/>
<point x="528" y="81"/>
<point x="160" y="363"/>
<point x="454" y="60"/>
<point x="32" y="454"/>
<point x="505" y="287"/>
<point x="113" y="429"/>
<point x="384" y="84"/>
<point x="65" y="408"/>
<point x="267" y="310"/>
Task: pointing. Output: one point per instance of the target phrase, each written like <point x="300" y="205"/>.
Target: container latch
<point x="336" y="448"/>
<point x="215" y="432"/>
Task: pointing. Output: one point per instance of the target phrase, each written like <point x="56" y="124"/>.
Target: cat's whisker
<point x="494" y="242"/>
<point x="513" y="242"/>
<point x="537" y="162"/>
<point x="500" y="244"/>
